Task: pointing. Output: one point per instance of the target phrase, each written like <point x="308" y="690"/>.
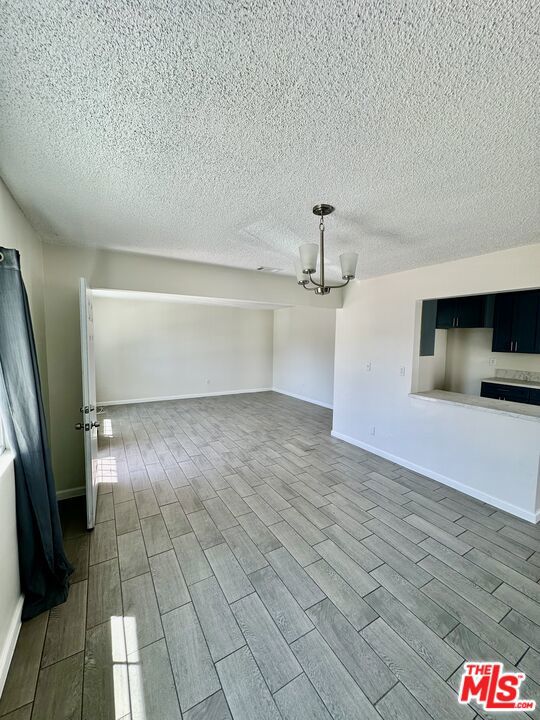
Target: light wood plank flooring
<point x="247" y="565"/>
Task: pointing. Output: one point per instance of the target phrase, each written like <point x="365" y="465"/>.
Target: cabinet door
<point x="515" y="394"/>
<point x="446" y="313"/>
<point x="489" y="310"/>
<point x="534" y="396"/>
<point x="490" y="390"/>
<point x="427" y="331"/>
<point x="503" y="322"/>
<point x="470" y="311"/>
<point x="524" y="321"/>
<point x="537" y="341"/>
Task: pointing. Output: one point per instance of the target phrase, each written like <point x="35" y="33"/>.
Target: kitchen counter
<point x="511" y="381"/>
<point x="503" y="407"/>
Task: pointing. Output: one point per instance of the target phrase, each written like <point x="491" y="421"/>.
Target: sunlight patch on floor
<point x="106" y="470"/>
<point x="127" y="675"/>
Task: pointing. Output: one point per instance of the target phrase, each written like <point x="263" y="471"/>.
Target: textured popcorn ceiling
<point x="207" y="130"/>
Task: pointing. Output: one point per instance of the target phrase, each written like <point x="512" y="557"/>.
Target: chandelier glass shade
<point x="306" y="266"/>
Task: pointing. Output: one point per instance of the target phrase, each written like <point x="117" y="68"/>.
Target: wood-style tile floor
<point x="247" y="565"/>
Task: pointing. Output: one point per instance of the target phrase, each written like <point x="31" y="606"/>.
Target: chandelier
<point x="307" y="265"/>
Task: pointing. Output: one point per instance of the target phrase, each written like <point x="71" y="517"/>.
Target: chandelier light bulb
<point x="348" y="262"/>
<point x="300" y="275"/>
<point x="308" y="257"/>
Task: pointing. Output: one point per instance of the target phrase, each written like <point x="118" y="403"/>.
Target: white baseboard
<point x="6" y="652"/>
<point x="304" y="398"/>
<point x="70" y="492"/>
<point x="189" y="396"/>
<point x="532" y="517"/>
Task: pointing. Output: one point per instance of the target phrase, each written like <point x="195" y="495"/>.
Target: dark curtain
<point x="44" y="568"/>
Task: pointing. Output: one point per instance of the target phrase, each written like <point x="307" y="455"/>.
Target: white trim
<point x="189" y="396"/>
<point x="304" y="398"/>
<point x="107" y="403"/>
<point x="70" y="492"/>
<point x="7" y="651"/>
<point x="187" y="299"/>
<point x="532" y="517"/>
<point x="2" y="437"/>
<point x="6" y="459"/>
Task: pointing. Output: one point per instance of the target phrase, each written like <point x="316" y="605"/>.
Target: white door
<point x="89" y="424"/>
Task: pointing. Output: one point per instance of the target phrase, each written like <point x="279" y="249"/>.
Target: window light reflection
<point x="106" y="470"/>
<point x="127" y="675"/>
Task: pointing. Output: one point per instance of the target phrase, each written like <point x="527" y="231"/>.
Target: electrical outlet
<point x="207" y="381"/>
<point x="402" y="371"/>
<point x="372" y="431"/>
<point x="368" y="367"/>
<point x="492" y="361"/>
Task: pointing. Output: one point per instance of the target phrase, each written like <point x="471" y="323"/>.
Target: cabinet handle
<point x="511" y="346"/>
<point x="457" y="322"/>
<point x="515" y="349"/>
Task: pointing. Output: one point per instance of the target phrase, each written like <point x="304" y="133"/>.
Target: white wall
<point x="128" y="271"/>
<point x="16" y="232"/>
<point x="468" y="356"/>
<point x="494" y="455"/>
<point x="304" y="343"/>
<point x="11" y="599"/>
<point x="431" y="369"/>
<point x="149" y="349"/>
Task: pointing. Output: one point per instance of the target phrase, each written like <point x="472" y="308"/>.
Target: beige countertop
<point x="504" y="407"/>
<point x="512" y="381"/>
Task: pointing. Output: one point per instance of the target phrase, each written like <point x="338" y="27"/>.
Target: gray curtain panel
<point x="44" y="568"/>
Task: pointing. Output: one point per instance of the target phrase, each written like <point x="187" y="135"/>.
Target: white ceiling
<point x="206" y="130"/>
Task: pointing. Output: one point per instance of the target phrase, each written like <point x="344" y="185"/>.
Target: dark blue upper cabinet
<point x="503" y="323"/>
<point x="461" y="312"/>
<point x="514" y="317"/>
<point x="516" y="322"/>
<point x="427" y="330"/>
<point x="470" y="311"/>
<point x="525" y="317"/>
<point x="446" y="313"/>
